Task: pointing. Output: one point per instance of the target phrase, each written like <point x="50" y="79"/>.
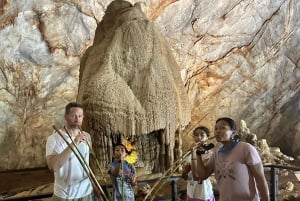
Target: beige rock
<point x="269" y="155"/>
<point x="130" y="83"/>
<point x="289" y="186"/>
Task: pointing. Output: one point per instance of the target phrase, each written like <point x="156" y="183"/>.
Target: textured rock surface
<point x="241" y="59"/>
<point x="237" y="58"/>
<point x="130" y="83"/>
<point x="269" y="155"/>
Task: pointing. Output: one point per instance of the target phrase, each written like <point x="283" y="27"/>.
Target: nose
<point x="77" y="118"/>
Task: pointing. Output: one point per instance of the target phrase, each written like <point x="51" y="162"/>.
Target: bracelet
<point x="194" y="158"/>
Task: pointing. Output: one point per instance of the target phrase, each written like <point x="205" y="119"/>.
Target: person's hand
<point x="81" y="138"/>
<point x="123" y="156"/>
<point x="133" y="180"/>
<point x="186" y="168"/>
<point x="196" y="146"/>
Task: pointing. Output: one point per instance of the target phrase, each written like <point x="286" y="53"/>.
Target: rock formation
<point x="269" y="155"/>
<point x="130" y="85"/>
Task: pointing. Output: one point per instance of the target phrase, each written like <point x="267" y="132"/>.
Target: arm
<point x="194" y="165"/>
<point x="203" y="170"/>
<point x="133" y="180"/>
<point x="121" y="158"/>
<point x="185" y="171"/>
<point x="115" y="170"/>
<point x="258" y="173"/>
<point x="56" y="161"/>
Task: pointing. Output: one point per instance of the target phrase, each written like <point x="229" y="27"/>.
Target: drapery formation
<point x="130" y="84"/>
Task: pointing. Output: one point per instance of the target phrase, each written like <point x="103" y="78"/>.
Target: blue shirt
<point x="122" y="185"/>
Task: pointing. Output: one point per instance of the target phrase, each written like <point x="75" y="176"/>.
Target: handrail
<point x="294" y="168"/>
<point x="274" y="178"/>
<point x="172" y="179"/>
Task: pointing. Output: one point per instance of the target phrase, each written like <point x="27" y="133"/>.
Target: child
<point x="197" y="190"/>
<point x="123" y="175"/>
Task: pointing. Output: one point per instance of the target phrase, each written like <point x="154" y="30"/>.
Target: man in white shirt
<point x="71" y="180"/>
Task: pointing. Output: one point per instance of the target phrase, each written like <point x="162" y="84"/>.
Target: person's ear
<point x="233" y="134"/>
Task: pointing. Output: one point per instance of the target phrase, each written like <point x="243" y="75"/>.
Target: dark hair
<point x="205" y="129"/>
<point x="230" y="122"/>
<point x="70" y="105"/>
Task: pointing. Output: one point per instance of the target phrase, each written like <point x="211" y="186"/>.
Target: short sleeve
<point x="252" y="156"/>
<point x="50" y="146"/>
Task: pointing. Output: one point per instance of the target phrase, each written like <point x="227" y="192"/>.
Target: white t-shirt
<point x="71" y="180"/>
<point x="199" y="190"/>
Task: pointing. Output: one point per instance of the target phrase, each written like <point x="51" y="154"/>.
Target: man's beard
<point x="73" y="126"/>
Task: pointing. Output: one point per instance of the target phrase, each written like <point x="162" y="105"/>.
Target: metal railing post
<point x="274" y="184"/>
<point x="174" y="189"/>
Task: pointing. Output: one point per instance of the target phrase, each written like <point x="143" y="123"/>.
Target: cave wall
<point x="237" y="58"/>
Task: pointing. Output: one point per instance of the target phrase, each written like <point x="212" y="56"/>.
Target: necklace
<point x="225" y="150"/>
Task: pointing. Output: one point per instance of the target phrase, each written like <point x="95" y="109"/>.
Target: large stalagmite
<point x="130" y="86"/>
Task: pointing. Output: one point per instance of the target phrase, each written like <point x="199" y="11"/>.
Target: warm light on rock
<point x="237" y="58"/>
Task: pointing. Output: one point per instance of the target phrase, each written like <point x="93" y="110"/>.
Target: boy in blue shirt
<point x="123" y="175"/>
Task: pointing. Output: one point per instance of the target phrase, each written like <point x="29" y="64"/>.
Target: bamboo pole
<point x="94" y="155"/>
<point x="97" y="162"/>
